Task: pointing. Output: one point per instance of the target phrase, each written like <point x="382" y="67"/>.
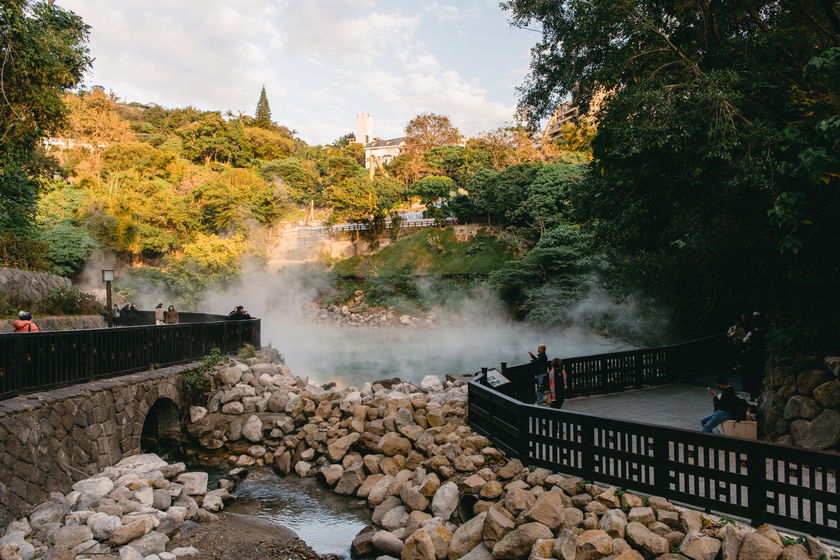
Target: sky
<point x="321" y="61"/>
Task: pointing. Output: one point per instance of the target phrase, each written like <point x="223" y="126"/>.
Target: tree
<point x="94" y="123"/>
<point x="433" y="192"/>
<point x="44" y="51"/>
<point x="693" y="186"/>
<point x="362" y="200"/>
<point x="262" y="117"/>
<point x="429" y="130"/>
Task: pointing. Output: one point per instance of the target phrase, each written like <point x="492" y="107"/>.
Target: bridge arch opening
<point x="162" y="426"/>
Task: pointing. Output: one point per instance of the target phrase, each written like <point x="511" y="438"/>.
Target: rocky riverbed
<point x="437" y="490"/>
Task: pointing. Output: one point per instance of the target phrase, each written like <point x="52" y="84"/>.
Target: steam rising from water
<point x="483" y="337"/>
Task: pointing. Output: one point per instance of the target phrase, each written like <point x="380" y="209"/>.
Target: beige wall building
<point x="564" y="113"/>
<point x="385" y="150"/>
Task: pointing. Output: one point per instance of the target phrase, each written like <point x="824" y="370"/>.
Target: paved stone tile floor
<point x="679" y="405"/>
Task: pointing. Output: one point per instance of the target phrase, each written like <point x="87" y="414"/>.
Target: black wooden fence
<point x="617" y="371"/>
<point x="41" y="361"/>
<point x="762" y="482"/>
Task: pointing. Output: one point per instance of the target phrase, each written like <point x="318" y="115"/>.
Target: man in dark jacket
<point x="540" y="364"/>
<point x="725" y="406"/>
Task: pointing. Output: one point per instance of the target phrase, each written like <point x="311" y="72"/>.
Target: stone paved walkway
<point x="679" y="405"/>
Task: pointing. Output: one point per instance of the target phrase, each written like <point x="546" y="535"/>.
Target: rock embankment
<point x="130" y="511"/>
<point x="357" y="314"/>
<point x="438" y="490"/>
<point x="801" y="403"/>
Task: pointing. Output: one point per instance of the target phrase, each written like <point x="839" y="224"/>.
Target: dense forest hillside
<point x="700" y="184"/>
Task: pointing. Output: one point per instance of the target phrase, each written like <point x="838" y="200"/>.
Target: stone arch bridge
<point x="52" y="439"/>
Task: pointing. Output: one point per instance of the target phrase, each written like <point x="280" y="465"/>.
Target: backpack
<point x="742" y="411"/>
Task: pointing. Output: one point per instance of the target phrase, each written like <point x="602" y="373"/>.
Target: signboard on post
<point x="495" y="378"/>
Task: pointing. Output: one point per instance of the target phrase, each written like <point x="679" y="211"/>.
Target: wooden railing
<point x="762" y="482"/>
<point x="32" y="362"/>
<point x="617" y="371"/>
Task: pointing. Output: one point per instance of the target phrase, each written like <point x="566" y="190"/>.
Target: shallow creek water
<point x="324" y="520"/>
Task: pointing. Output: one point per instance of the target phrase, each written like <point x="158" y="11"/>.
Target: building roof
<point x="380" y="143"/>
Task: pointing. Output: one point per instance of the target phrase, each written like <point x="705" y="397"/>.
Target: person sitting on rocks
<point x="725" y="406"/>
<point x="24" y="323"/>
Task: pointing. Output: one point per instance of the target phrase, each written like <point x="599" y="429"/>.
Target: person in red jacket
<point x="24" y="323"/>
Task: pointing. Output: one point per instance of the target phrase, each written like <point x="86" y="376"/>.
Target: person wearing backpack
<point x="24" y="323"/>
<point x="557" y="383"/>
<point x="726" y="405"/>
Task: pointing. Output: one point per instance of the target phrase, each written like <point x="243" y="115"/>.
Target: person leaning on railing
<point x="160" y="314"/>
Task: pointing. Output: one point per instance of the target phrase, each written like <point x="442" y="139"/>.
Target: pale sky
<point x="321" y="61"/>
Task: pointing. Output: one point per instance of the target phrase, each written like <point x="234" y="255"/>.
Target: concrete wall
<point x="31" y="285"/>
<point x="50" y="440"/>
<point x="59" y="323"/>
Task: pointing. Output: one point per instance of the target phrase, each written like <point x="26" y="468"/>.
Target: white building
<point x="385" y="150"/>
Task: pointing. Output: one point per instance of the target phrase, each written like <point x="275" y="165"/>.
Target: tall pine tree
<point x="263" y="115"/>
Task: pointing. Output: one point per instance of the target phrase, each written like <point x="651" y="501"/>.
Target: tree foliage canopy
<point x="712" y="181"/>
<point x="430" y="130"/>
<point x="44" y="51"/>
<point x="262" y="116"/>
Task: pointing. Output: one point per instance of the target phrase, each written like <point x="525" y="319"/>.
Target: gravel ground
<point x="241" y="537"/>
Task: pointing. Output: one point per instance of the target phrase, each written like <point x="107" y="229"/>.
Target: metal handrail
<point x="41" y="361"/>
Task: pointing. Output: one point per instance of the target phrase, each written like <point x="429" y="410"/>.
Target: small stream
<point x="325" y="521"/>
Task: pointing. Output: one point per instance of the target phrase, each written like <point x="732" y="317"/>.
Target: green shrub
<point x="70" y="301"/>
<point x="247" y="352"/>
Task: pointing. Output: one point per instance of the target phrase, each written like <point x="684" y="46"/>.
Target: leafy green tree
<point x="362" y="200"/>
<point x="559" y="271"/>
<point x="687" y="187"/>
<point x="139" y="157"/>
<point x="235" y="198"/>
<point x="44" y="51"/>
<point x="433" y="192"/>
<point x="69" y="247"/>
<point x="208" y="262"/>
<point x="262" y="116"/>
<point x="302" y="184"/>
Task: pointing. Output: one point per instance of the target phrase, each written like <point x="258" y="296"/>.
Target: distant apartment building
<point x="385" y="150"/>
<point x="564" y="113"/>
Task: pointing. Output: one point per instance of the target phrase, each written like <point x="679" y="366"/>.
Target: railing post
<point x="524" y="417"/>
<point x="757" y="475"/>
<point x="660" y="462"/>
<point x="603" y="375"/>
<point x="639" y="360"/>
<point x="586" y="459"/>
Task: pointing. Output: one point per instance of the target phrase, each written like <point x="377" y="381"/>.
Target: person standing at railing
<point x="171" y="316"/>
<point x="159" y="314"/>
<point x="725" y="406"/>
<point x="754" y="356"/>
<point x="24" y="323"/>
<point x="540" y="362"/>
<point x="557" y="383"/>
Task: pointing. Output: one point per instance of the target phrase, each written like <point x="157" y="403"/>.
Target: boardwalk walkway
<point x="678" y="405"/>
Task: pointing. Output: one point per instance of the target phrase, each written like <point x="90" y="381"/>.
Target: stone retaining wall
<point x="55" y="438"/>
<point x="31" y="285"/>
<point x="800" y="405"/>
<point x="59" y="323"/>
